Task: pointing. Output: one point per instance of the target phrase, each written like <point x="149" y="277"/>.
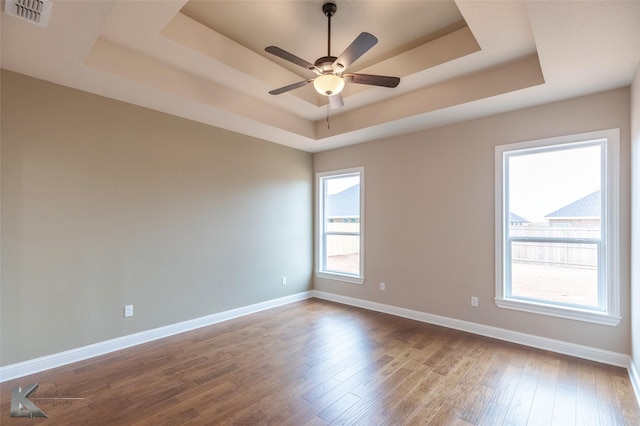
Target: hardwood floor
<point x="317" y="363"/>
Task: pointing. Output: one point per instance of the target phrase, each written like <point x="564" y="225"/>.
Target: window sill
<point x="340" y="277"/>
<point x="559" y="311"/>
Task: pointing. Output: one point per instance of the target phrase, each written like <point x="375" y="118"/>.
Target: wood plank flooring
<point x="317" y="363"/>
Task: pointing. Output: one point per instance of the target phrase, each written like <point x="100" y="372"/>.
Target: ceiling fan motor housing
<point x="325" y="63"/>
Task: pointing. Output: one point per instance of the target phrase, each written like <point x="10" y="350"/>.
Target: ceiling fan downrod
<point x="329" y="9"/>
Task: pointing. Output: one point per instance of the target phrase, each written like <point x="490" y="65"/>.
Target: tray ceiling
<point x="205" y="60"/>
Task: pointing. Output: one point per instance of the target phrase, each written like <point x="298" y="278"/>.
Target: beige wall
<point x="635" y="219"/>
<point x="106" y="204"/>
<point x="429" y="216"/>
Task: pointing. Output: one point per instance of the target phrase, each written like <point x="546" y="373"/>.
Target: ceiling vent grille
<point x="35" y="11"/>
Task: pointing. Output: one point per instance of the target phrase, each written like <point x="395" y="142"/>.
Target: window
<point x="339" y="222"/>
<point x="557" y="227"/>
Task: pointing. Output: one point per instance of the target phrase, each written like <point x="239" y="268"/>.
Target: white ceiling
<point x="205" y="60"/>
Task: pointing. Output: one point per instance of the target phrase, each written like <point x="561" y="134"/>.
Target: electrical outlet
<point x="474" y="301"/>
<point x="284" y="280"/>
<point x="383" y="286"/>
<point x="128" y="311"/>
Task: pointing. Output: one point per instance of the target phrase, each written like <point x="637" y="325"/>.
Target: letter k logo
<point x="21" y="406"/>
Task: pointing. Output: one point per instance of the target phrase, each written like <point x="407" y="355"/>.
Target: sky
<point x="340" y="184"/>
<point x="542" y="183"/>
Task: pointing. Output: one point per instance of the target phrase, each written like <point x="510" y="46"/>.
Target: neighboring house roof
<point x="585" y="207"/>
<point x="514" y="218"/>
<point x="344" y="203"/>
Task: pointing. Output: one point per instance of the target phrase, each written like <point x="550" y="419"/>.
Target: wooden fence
<point x="575" y="255"/>
<point x="337" y="245"/>
<point x="548" y="253"/>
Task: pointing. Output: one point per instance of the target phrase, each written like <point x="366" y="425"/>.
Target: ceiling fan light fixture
<point x="328" y="84"/>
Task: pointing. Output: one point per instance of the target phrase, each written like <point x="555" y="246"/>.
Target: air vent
<point x="35" y="11"/>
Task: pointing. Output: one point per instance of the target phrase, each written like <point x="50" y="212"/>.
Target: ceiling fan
<point x="331" y="79"/>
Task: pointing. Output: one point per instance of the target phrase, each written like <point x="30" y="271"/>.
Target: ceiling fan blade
<point x="336" y="101"/>
<point x="290" y="87"/>
<point x="357" y="48"/>
<point x="372" y="80"/>
<point x="274" y="50"/>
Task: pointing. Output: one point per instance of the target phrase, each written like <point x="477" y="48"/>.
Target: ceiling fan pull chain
<point x="328" y="110"/>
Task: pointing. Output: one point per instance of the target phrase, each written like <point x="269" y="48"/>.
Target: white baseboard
<point x="579" y="351"/>
<point x="48" y="362"/>
<point x="635" y="380"/>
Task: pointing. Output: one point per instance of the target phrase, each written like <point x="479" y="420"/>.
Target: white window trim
<point x="611" y="242"/>
<point x="359" y="279"/>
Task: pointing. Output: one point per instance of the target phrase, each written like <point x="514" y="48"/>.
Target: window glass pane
<point x="554" y="231"/>
<point x="343" y="254"/>
<point x="555" y="272"/>
<point x="341" y="224"/>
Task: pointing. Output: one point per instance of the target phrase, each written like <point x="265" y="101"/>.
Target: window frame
<point x="320" y="222"/>
<point x="608" y="311"/>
